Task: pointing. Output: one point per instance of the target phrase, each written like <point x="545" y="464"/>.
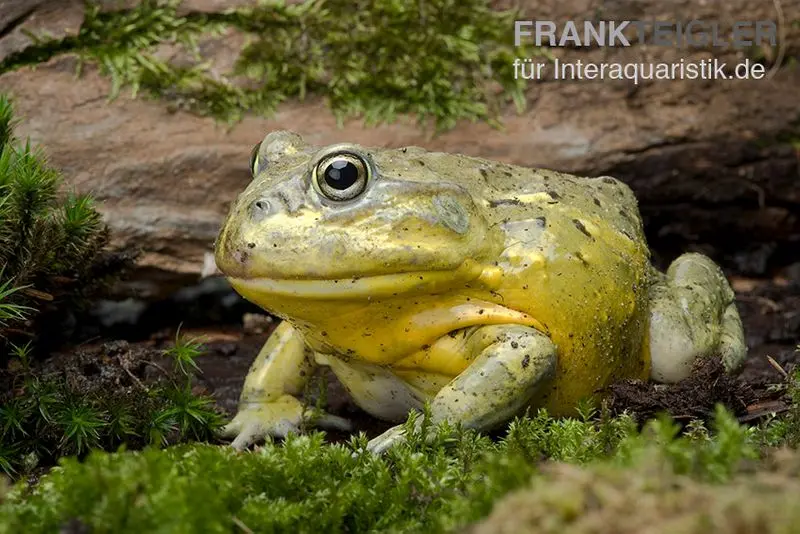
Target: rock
<point x="12" y="11"/>
<point x="712" y="162"/>
<point x="44" y="20"/>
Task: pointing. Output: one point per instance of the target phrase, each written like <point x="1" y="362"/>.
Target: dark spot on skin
<point x="480" y="312"/>
<point x="421" y="163"/>
<point x="581" y="258"/>
<point x="251" y="245"/>
<point x="597" y="202"/>
<point x="484" y="174"/>
<point x="608" y="180"/>
<point x="624" y="214"/>
<point x="302" y="373"/>
<point x="508" y="173"/>
<point x="526" y="361"/>
<point x="514" y="344"/>
<point x="274" y="245"/>
<point x="504" y="201"/>
<point x="426" y="347"/>
<point x="553" y="195"/>
<point x="579" y="225"/>
<point x="404" y="150"/>
<point x="541" y="222"/>
<point x="324" y="333"/>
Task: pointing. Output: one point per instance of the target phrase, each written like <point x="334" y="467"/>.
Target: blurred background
<point x="153" y="107"/>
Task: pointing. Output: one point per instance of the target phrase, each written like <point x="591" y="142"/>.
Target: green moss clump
<point x="442" y="479"/>
<point x="45" y="416"/>
<point x="52" y="246"/>
<point x="439" y="60"/>
<point x="650" y="497"/>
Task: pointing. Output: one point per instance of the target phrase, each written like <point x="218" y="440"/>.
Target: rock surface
<point x="714" y="163"/>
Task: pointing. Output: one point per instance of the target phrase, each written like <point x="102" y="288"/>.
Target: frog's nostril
<point x="260" y="209"/>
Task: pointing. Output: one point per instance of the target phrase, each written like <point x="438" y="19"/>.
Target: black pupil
<point x="341" y="174"/>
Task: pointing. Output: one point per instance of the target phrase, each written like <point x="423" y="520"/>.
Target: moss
<point x="650" y="497"/>
<point x="455" y="65"/>
<point x="47" y="414"/>
<point x="441" y="479"/>
<point x="53" y="246"/>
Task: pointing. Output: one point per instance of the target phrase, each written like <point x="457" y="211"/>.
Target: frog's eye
<point x="342" y="176"/>
<point x="254" y="160"/>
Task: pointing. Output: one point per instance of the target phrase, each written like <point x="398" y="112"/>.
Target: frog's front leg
<point x="268" y="405"/>
<point x="510" y="363"/>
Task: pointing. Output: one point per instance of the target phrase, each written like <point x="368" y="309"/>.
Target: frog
<point x="469" y="289"/>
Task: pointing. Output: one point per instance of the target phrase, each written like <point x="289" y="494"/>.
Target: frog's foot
<point x="256" y="421"/>
<point x="693" y="315"/>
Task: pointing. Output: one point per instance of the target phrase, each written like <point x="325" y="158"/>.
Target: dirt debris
<point x="692" y="398"/>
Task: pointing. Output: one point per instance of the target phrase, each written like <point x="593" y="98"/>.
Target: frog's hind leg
<point x="510" y="364"/>
<point x="693" y="315"/>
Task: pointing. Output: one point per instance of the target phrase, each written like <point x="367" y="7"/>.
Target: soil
<point x="770" y="310"/>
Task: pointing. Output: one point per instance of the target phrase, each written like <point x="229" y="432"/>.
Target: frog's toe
<point x="334" y="422"/>
<point x="391" y="438"/>
<point x="248" y="435"/>
<point x="232" y="429"/>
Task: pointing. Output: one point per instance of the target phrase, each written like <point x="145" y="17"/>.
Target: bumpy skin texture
<point x="481" y="287"/>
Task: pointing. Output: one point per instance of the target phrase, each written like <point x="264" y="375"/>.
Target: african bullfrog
<point x="480" y="287"/>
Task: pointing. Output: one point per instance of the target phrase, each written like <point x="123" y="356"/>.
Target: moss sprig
<point x="439" y="61"/>
<point x="45" y="416"/>
<point x="53" y="245"/>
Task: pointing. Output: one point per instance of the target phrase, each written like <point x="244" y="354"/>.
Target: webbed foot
<point x="256" y="421"/>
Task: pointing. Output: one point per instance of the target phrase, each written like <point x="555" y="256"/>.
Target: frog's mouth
<point x="368" y="287"/>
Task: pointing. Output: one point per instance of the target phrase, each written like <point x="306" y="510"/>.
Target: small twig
<point x="88" y="341"/>
<point x="124" y="366"/>
<point x="135" y="379"/>
<point x="777" y="366"/>
<point x="238" y="522"/>
<point x="154" y="364"/>
<point x="35" y="293"/>
<point x="769" y="303"/>
<point x="757" y="411"/>
<point x="16" y="331"/>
